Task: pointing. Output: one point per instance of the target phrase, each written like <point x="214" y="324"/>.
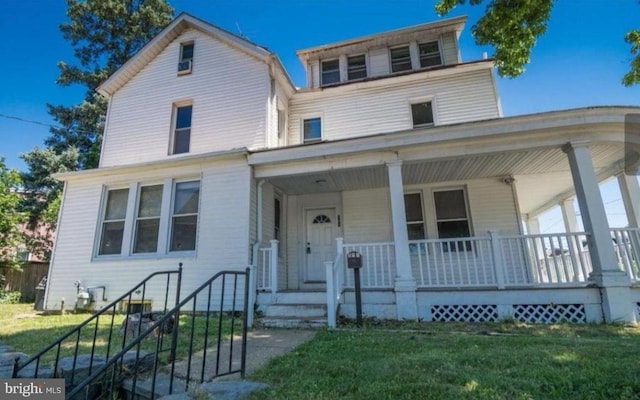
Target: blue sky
<point x="578" y="62"/>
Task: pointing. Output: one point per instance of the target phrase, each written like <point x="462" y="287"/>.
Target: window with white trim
<point x="184" y="218"/>
<point x="312" y="130"/>
<point x="185" y="63"/>
<point x="429" y="54"/>
<point x="422" y="114"/>
<point x="452" y="218"/>
<point x="161" y="212"/>
<point x="356" y="67"/>
<point x="400" y="59"/>
<point x="147" y="224"/>
<point x="114" y="217"/>
<point x="182" y="129"/>
<point x="330" y="71"/>
<point x="414" y="216"/>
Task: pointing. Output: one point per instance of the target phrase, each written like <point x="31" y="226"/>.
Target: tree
<point x="512" y="28"/>
<point x="104" y="35"/>
<point x="10" y="217"/>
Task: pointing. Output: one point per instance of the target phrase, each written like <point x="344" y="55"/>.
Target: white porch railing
<point x="528" y="260"/>
<point x="626" y="243"/>
<point x="267" y="268"/>
<point x="335" y="284"/>
<point x="378" y="265"/>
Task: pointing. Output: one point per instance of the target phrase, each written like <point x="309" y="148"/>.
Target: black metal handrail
<point x="111" y="309"/>
<point x="109" y="379"/>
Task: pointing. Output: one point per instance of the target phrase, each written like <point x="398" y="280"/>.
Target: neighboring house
<point x="396" y="149"/>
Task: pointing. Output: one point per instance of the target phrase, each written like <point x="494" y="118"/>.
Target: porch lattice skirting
<point x="529" y="313"/>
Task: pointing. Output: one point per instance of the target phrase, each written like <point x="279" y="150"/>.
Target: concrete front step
<point x="296" y="310"/>
<point x="293" y="297"/>
<point x="293" y="322"/>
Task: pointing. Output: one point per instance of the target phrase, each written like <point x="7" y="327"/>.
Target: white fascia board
<point x="178" y="161"/>
<point x="602" y="123"/>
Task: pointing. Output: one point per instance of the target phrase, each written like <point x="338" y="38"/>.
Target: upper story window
<point x="414" y="216"/>
<point x="400" y="59"/>
<point x="330" y="71"/>
<point x="422" y="114"/>
<point x="356" y="67"/>
<point x="182" y="129"/>
<point x="185" y="63"/>
<point x="312" y="130"/>
<point x="112" y="232"/>
<point x="429" y="54"/>
<point x="452" y="218"/>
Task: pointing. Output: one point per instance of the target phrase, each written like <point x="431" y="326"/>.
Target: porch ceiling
<point x="541" y="174"/>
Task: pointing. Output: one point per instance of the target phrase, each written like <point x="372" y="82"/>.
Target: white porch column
<point x="630" y="190"/>
<point x="569" y="215"/>
<point x="405" y="284"/>
<point x="614" y="283"/>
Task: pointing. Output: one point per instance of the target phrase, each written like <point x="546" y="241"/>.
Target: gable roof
<point x="156" y="45"/>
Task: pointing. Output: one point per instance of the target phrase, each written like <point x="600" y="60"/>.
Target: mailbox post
<point x="354" y="261"/>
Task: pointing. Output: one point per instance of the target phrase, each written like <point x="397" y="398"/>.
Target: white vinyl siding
<point x="229" y="90"/>
<point x="225" y="194"/>
<point x="449" y="49"/>
<point x="367" y="111"/>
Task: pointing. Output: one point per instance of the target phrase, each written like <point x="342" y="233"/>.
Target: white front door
<point x="320" y="243"/>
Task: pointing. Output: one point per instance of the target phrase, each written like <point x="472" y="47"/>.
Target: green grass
<point x="461" y="361"/>
<point x="28" y="331"/>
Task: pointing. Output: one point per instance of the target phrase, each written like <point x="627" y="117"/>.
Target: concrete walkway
<point x="262" y="346"/>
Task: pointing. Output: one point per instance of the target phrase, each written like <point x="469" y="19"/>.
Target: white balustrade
<point x="626" y="243"/>
<point x="378" y="265"/>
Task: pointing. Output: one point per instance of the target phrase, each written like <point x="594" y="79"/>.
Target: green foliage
<point x="511" y="27"/>
<point x="633" y="76"/>
<point x="10" y="217"/>
<point x="104" y="35"/>
<point x="9" y="297"/>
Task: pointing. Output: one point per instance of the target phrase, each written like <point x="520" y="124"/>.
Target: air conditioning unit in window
<point x="184" y="67"/>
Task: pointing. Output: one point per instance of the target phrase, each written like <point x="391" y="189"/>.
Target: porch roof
<point x="526" y="148"/>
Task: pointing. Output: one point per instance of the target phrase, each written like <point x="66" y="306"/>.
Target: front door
<point x="320" y="243"/>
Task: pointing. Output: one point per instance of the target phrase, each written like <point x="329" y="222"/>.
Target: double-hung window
<point x="422" y="114"/>
<point x="185" y="64"/>
<point x="330" y="71"/>
<point x="182" y="129"/>
<point x="112" y="231"/>
<point x="148" y="219"/>
<point x="356" y="67"/>
<point x="452" y="218"/>
<point x="400" y="59"/>
<point x="312" y="130"/>
<point x="429" y="54"/>
<point x="414" y="216"/>
<point x="184" y="218"/>
<point x="164" y="219"/>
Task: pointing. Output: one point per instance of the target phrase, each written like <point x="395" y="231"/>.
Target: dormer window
<point x="429" y="54"/>
<point x="186" y="58"/>
<point x="330" y="71"/>
<point x="400" y="59"/>
<point x="356" y="67"/>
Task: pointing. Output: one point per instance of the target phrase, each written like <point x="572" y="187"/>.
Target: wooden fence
<point x="25" y="281"/>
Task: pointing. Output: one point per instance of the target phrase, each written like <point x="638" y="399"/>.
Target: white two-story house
<point x="396" y="149"/>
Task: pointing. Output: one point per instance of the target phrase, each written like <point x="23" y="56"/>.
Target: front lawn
<point x="461" y="361"/>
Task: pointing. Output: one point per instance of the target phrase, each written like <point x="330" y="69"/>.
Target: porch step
<point x="143" y="387"/>
<point x="296" y="310"/>
<point x="293" y="322"/>
<point x="295" y="316"/>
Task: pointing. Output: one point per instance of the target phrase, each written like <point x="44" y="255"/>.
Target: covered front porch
<point x="392" y="198"/>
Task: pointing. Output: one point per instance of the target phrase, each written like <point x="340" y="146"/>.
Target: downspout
<point x="254" y="255"/>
